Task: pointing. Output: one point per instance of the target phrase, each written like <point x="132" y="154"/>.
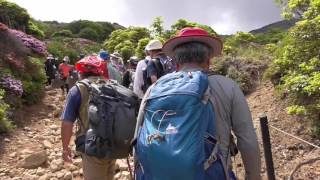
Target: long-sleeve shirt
<point x="233" y="114"/>
<point x="138" y="78"/>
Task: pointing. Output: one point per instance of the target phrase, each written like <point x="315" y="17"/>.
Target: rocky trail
<point x="33" y="150"/>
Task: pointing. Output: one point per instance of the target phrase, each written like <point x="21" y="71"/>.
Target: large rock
<point x="34" y="160"/>
<point x="47" y="144"/>
<point x="67" y="176"/>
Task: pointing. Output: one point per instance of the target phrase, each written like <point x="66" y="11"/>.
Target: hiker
<point x="129" y="74"/>
<point x="138" y="84"/>
<point x="105" y="59"/>
<point x="64" y="70"/>
<point x="113" y="72"/>
<point x="159" y="65"/>
<point x="186" y="119"/>
<point x="93" y="168"/>
<point x="116" y="61"/>
<point x="50" y="68"/>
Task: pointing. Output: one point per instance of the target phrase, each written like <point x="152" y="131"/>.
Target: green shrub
<point x="296" y="68"/>
<point x="296" y="110"/>
<point x="5" y="123"/>
<point x="34" y="30"/>
<point x="63" y="33"/>
<point x="88" y="33"/>
<point x="33" y="81"/>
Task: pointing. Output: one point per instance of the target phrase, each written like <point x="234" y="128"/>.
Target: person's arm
<point x="68" y="117"/>
<point x="247" y="142"/>
<point x="138" y="80"/>
<point x="66" y="133"/>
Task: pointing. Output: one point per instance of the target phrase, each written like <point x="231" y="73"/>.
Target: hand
<point x="66" y="155"/>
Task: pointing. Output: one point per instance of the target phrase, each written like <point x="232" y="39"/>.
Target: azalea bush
<point x="37" y="46"/>
<point x="11" y="85"/>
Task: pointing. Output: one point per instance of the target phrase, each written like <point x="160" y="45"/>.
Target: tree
<point x="182" y="23"/>
<point x="157" y="29"/>
<point x="63" y="33"/>
<point x="126" y="40"/>
<point x="88" y="33"/>
<point x="296" y="68"/>
<point x="140" y="49"/>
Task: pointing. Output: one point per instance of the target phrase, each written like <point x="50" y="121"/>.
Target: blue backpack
<point x="176" y="139"/>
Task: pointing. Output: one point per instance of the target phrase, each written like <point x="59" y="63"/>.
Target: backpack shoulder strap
<point x="158" y="66"/>
<point x="84" y="88"/>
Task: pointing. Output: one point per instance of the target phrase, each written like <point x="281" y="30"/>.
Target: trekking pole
<point x="267" y="147"/>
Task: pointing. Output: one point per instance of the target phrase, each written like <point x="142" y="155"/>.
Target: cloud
<point x="225" y="17"/>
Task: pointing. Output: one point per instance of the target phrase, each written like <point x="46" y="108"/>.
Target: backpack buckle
<point x="157" y="137"/>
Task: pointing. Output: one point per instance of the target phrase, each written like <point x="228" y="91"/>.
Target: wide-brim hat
<point x="116" y="55"/>
<point x="193" y="35"/>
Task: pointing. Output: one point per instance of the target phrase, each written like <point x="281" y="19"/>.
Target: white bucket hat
<point x="154" y="45"/>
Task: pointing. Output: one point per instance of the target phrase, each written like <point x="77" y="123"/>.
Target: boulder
<point x="34" y="160"/>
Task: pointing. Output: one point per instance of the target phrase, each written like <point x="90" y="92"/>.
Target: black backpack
<point x="160" y="72"/>
<point x="112" y="115"/>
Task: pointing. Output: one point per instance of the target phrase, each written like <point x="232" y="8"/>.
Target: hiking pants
<point x="94" y="168"/>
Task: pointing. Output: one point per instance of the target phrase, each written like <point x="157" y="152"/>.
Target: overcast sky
<point x="224" y="16"/>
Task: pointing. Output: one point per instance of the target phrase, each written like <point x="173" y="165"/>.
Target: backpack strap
<point x="84" y="87"/>
<point x="215" y="151"/>
<point x="159" y="67"/>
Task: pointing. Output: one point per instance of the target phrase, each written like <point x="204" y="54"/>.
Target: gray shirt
<point x="233" y="114"/>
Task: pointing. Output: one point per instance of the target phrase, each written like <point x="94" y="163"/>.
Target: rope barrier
<point x="293" y="136"/>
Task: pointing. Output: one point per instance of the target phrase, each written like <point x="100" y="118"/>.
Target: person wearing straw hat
<point x="159" y="65"/>
<point x="193" y="50"/>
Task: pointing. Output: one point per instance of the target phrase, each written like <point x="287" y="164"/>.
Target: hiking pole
<point x="130" y="169"/>
<point x="267" y="147"/>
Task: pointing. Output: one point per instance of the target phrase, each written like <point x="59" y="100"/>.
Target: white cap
<point x="154" y="45"/>
<point x="66" y="59"/>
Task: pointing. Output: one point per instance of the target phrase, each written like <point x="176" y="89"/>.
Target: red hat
<point x="190" y="34"/>
<point x="89" y="64"/>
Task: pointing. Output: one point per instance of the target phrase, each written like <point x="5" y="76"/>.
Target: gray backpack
<point x="112" y="115"/>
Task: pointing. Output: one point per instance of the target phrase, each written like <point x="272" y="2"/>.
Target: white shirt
<point x="138" y="78"/>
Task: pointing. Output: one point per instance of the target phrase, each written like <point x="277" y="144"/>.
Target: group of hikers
<point x="174" y="116"/>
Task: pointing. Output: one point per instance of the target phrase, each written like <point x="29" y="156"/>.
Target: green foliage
<point x="272" y="36"/>
<point x="5" y="123"/>
<point x="88" y="33"/>
<point x="182" y="23"/>
<point x="13" y="15"/>
<point x="240" y="39"/>
<point x="57" y="47"/>
<point x="33" y="81"/>
<point x="63" y="33"/>
<point x="157" y="29"/>
<point x="140" y="49"/>
<point x="97" y="31"/>
<point x="34" y="30"/>
<point x="296" y="68"/>
<point x="296" y="110"/>
<point x="126" y="41"/>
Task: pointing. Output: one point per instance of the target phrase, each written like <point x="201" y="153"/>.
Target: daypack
<point x="146" y="80"/>
<point x="112" y="114"/>
<point x="163" y="65"/>
<point x="176" y="139"/>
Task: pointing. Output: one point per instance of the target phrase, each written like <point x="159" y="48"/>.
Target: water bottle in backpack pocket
<point x="177" y="136"/>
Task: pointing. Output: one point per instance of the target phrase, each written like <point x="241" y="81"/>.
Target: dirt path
<point x="287" y="152"/>
<point x="39" y="138"/>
